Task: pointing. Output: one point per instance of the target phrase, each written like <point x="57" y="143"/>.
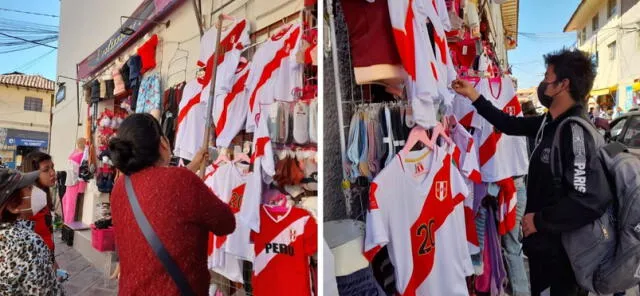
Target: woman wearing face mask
<point x="41" y="162"/>
<point x="179" y="207"/>
<point x="26" y="267"/>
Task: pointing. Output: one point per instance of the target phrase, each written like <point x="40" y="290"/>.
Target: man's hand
<point x="201" y="155"/>
<point x="465" y="88"/>
<point x="528" y="227"/>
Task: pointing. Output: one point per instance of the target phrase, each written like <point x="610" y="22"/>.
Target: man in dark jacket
<point x="583" y="195"/>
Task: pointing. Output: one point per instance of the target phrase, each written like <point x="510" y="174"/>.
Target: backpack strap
<point x="557" y="171"/>
<point x="155" y="243"/>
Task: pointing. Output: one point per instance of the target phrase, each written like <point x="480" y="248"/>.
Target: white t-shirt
<point x="501" y="156"/>
<point x="228" y="183"/>
<point x="230" y="109"/>
<point x="301" y="123"/>
<point x="429" y="73"/>
<point x="275" y="73"/>
<point x="466" y="156"/>
<point x="191" y="123"/>
<point x="313" y="121"/>
<point x="415" y="217"/>
<point x="263" y="172"/>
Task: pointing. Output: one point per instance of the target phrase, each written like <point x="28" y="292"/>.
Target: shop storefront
<point x="162" y="60"/>
<point x="18" y="143"/>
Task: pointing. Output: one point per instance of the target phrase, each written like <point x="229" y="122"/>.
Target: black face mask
<point x="545" y="100"/>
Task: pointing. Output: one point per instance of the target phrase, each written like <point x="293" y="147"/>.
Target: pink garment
<point x="69" y="201"/>
<point x="70" y="197"/>
<point x="483" y="281"/>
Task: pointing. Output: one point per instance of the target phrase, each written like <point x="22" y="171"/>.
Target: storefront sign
<point x="140" y="22"/>
<point x="27" y="138"/>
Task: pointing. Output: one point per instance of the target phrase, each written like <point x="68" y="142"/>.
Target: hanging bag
<point x="155" y="243"/>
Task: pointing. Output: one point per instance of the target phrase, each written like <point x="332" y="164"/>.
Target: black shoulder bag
<point x="155" y="243"/>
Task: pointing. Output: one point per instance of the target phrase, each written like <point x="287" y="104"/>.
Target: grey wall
<point x="334" y="199"/>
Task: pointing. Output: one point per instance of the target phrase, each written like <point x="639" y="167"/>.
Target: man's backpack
<point x="605" y="255"/>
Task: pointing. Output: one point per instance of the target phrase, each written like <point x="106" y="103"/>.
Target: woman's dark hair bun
<point x="136" y="146"/>
<point x="122" y="155"/>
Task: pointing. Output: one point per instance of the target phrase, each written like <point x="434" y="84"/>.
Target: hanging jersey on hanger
<point x="501" y="156"/>
<point x="413" y="215"/>
<point x="230" y="109"/>
<point x="228" y="183"/>
<point x="192" y="116"/>
<point x="263" y="172"/>
<point x="275" y="74"/>
<point x="466" y="156"/>
<point x="283" y="247"/>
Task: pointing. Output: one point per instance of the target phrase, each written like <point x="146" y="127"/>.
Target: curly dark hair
<point x="577" y="67"/>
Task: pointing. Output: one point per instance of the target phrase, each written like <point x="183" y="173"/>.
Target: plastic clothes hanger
<point x="277" y="202"/>
<point x="440" y="131"/>
<point x="223" y="157"/>
<point x="417" y="134"/>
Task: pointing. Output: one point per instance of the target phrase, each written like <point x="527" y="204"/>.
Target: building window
<point x="582" y="36"/>
<point x="594" y="24"/>
<point x="612" y="50"/>
<point x="611" y="8"/>
<point x="32" y="104"/>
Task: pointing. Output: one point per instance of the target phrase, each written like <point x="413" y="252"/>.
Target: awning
<point x="604" y="91"/>
<point x="600" y="92"/>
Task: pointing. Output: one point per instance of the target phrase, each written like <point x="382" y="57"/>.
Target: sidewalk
<point x="84" y="278"/>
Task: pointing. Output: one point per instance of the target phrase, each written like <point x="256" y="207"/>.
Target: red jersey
<point x="283" y="249"/>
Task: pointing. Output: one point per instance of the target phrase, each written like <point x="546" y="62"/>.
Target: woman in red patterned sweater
<point x="179" y="206"/>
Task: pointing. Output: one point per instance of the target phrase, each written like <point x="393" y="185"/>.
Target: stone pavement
<point x="84" y="278"/>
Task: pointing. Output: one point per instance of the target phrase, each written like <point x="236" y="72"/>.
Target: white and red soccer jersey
<point x="230" y="109"/>
<point x="263" y="172"/>
<point x="501" y="156"/>
<point x="415" y="216"/>
<point x="466" y="156"/>
<point x="192" y="118"/>
<point x="429" y="73"/>
<point x="283" y="247"/>
<point x="465" y="112"/>
<point x="228" y="183"/>
<point x="275" y="73"/>
<point x="234" y="38"/>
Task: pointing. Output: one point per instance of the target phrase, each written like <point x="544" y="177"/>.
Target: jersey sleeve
<point x="311" y="237"/>
<point x="376" y="236"/>
<point x="471" y="165"/>
<point x="586" y="191"/>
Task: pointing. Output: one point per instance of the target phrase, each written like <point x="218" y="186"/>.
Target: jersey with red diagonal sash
<point x="263" y="172"/>
<point x="429" y="72"/>
<point x="234" y="37"/>
<point x="412" y="210"/>
<point x="283" y="247"/>
<point x="501" y="156"/>
<point x="465" y="112"/>
<point x="228" y="183"/>
<point x="192" y="116"/>
<point x="466" y="156"/>
<point x="275" y="73"/>
<point x="230" y="109"/>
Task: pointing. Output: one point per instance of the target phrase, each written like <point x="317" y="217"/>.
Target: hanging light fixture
<point x="129" y="31"/>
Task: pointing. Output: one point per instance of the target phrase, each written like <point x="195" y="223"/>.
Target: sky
<point x="545" y="18"/>
<point x="38" y="60"/>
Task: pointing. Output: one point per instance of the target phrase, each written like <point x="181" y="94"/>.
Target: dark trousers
<point x="553" y="272"/>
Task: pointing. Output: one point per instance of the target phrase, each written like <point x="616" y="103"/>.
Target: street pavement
<point x="84" y="278"/>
